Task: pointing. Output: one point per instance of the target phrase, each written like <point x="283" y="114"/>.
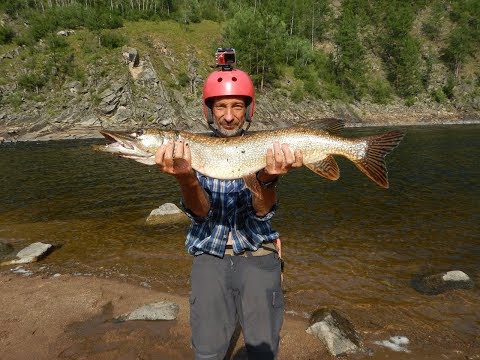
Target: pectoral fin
<point x="327" y="168"/>
<point x="252" y="184"/>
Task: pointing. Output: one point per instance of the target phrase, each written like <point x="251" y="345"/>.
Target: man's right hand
<point x="174" y="158"/>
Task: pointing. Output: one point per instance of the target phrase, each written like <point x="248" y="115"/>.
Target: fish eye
<point x="139" y="132"/>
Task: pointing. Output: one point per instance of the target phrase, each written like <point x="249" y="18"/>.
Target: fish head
<point x="140" y="145"/>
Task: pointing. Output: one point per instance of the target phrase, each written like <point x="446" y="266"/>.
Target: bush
<point x="31" y="81"/>
<point x="183" y="79"/>
<point x="380" y="91"/>
<point x="297" y="94"/>
<point x="112" y="40"/>
<point x="448" y="88"/>
<point x="312" y="87"/>
<point x="56" y="42"/>
<point x="410" y="101"/>
<point x="6" y="35"/>
<point x="95" y="21"/>
<point x="439" y="96"/>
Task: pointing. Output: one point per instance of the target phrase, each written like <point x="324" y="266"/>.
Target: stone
<point x="31" y="253"/>
<point x="335" y="331"/>
<point x="166" y="214"/>
<point x="162" y="310"/>
<point x="395" y="343"/>
<point x="438" y="283"/>
<point x="131" y="56"/>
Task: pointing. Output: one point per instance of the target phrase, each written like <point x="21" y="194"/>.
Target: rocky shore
<point x="76" y="316"/>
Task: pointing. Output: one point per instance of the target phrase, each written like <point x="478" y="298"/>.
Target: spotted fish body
<point x="239" y="157"/>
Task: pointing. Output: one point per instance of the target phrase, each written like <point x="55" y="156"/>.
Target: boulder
<point x="131" y="56"/>
<point x="162" y="310"/>
<point x="439" y="283"/>
<point x="166" y="214"/>
<point x="335" y="331"/>
<point x="31" y="253"/>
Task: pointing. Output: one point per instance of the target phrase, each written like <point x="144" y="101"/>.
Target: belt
<point x="264" y="249"/>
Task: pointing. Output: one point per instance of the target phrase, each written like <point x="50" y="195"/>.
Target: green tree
<point x="464" y="40"/>
<point x="259" y="38"/>
<point x="350" y="53"/>
<point x="401" y="51"/>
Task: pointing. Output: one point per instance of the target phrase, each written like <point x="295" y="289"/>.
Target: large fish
<point x="239" y="157"/>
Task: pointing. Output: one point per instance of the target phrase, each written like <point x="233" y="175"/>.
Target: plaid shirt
<point x="231" y="210"/>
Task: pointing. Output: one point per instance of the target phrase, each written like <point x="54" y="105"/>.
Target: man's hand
<point x="174" y="158"/>
<point x="281" y="160"/>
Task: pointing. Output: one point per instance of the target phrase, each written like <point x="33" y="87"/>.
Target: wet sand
<point x="73" y="317"/>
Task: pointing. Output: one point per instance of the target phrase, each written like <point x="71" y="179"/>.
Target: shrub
<point x="31" y="81"/>
<point x="439" y="96"/>
<point x="56" y="42"/>
<point x="297" y="94"/>
<point x="112" y="40"/>
<point x="380" y="91"/>
<point x="6" y="35"/>
<point x="183" y="79"/>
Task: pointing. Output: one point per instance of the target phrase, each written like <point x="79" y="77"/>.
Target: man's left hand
<point x="281" y="160"/>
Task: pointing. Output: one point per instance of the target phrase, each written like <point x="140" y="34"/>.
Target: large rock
<point x="166" y="214"/>
<point x="335" y="331"/>
<point x="31" y="253"/>
<point x="439" y="283"/>
<point x="162" y="310"/>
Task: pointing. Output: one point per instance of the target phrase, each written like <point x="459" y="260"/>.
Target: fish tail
<point x="373" y="163"/>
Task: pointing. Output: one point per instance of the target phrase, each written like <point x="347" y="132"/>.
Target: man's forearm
<point x="194" y="196"/>
<point x="268" y="194"/>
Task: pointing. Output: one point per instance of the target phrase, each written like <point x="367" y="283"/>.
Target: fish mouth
<point x="118" y="139"/>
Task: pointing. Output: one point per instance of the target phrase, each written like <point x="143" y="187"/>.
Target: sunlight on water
<point x="347" y="244"/>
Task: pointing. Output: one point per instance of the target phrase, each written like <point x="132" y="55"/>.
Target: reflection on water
<point x="347" y="244"/>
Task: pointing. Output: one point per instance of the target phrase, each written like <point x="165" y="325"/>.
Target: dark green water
<point x="347" y="244"/>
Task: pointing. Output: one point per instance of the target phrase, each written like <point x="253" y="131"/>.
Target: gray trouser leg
<point x="223" y="288"/>
<point x="212" y="308"/>
<point x="260" y="304"/>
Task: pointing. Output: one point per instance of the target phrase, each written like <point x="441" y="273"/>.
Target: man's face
<point x="229" y="114"/>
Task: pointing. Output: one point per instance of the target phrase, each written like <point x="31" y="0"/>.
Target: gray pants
<point x="236" y="288"/>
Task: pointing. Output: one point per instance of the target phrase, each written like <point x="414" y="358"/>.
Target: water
<point x="350" y="244"/>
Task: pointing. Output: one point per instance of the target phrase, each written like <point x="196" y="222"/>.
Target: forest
<point x="327" y="46"/>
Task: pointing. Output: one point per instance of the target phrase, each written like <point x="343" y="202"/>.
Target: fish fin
<point x="373" y="163"/>
<point x="330" y="125"/>
<point x="327" y="168"/>
<point x="142" y="160"/>
<point x="252" y="184"/>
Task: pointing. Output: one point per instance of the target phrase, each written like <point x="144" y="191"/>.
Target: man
<point x="236" y="269"/>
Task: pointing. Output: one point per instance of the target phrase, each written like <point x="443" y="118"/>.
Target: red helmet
<point x="224" y="83"/>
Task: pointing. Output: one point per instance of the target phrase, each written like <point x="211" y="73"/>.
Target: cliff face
<point x="133" y="95"/>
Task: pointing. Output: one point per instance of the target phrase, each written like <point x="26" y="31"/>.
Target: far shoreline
<point x="15" y="134"/>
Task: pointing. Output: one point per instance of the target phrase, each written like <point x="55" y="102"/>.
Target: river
<point x="349" y="244"/>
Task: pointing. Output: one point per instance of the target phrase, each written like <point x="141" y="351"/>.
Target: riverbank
<point x="266" y="117"/>
<point x="72" y="317"/>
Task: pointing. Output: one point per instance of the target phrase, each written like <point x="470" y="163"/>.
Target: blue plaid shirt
<point x="231" y="210"/>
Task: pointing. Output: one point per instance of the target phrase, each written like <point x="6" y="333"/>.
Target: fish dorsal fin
<point x="327" y="168"/>
<point x="331" y="125"/>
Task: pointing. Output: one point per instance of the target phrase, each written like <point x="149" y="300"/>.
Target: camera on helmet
<point x="225" y="58"/>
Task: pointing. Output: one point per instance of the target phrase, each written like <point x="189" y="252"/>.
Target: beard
<point x="230" y="133"/>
